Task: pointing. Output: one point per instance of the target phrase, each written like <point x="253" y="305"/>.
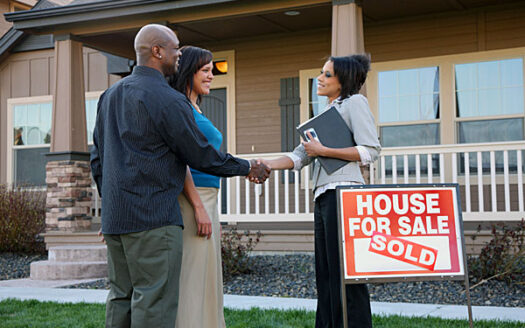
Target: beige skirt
<point x="200" y="291"/>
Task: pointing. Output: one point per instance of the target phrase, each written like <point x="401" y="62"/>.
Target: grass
<point x="14" y="313"/>
<point x="19" y="314"/>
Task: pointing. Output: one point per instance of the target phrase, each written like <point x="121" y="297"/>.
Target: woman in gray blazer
<point x="340" y="81"/>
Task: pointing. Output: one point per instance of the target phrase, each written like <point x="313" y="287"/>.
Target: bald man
<point x="145" y="136"/>
<point x="157" y="46"/>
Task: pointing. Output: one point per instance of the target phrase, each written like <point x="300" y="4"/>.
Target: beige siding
<point x="505" y="28"/>
<point x="4" y="8"/>
<point x="51" y="75"/>
<point x="39" y="67"/>
<point x="20" y="78"/>
<point x="422" y="37"/>
<point x="5" y="90"/>
<point x="446" y="34"/>
<point x="31" y="74"/>
<point x="97" y="79"/>
<point x="260" y="63"/>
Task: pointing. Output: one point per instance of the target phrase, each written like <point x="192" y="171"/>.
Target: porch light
<point x="221" y="66"/>
<point x="292" y="13"/>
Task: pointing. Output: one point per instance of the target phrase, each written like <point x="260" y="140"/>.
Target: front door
<point x="214" y="107"/>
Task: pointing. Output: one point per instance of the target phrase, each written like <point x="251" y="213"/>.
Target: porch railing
<point x="490" y="176"/>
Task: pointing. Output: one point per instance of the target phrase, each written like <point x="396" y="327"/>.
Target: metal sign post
<point x="400" y="232"/>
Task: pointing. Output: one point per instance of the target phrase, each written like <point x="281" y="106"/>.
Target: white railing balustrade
<point x="490" y="176"/>
<point x="284" y="197"/>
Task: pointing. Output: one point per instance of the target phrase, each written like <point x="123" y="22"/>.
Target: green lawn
<point x="19" y="314"/>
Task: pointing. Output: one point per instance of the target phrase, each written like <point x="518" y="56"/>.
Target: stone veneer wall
<point x="68" y="196"/>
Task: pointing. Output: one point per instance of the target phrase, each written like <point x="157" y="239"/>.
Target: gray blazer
<point x="356" y="114"/>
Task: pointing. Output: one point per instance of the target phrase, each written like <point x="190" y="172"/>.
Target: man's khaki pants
<point x="144" y="270"/>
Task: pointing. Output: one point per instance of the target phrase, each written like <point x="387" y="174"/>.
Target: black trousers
<point x="328" y="275"/>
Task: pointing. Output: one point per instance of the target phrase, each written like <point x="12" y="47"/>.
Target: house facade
<point x="446" y="90"/>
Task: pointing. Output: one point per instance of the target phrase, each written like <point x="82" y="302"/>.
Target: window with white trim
<point x="490" y="106"/>
<point x="30" y="139"/>
<point x="409" y="111"/>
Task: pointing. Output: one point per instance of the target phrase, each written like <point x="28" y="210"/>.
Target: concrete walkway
<point x="247" y="302"/>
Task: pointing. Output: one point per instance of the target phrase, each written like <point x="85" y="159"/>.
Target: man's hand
<point x="313" y="147"/>
<point x="101" y="236"/>
<point x="203" y="222"/>
<point x="259" y="172"/>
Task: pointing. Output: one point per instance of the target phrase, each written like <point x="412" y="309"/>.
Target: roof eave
<point x="52" y="17"/>
<point x="9" y="39"/>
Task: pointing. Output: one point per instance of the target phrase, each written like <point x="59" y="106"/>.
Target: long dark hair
<point x="190" y="62"/>
<point x="351" y="72"/>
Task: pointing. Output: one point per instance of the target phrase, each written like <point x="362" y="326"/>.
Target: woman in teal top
<point x="200" y="291"/>
<point x="214" y="137"/>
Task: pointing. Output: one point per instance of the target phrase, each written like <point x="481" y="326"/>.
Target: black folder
<point x="332" y="131"/>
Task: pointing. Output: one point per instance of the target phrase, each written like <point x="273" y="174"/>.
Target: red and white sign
<point x="401" y="232"/>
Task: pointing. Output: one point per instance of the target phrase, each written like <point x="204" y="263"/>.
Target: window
<point x="489" y="88"/>
<point x="316" y="103"/>
<point x="490" y="105"/>
<point x="409" y="95"/>
<point x="29" y="141"/>
<point x="409" y="111"/>
<point x="30" y="122"/>
<point x="91" y="113"/>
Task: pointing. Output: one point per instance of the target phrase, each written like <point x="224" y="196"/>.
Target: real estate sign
<point x="400" y="232"/>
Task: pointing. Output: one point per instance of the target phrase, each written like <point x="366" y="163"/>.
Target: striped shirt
<point x="145" y="135"/>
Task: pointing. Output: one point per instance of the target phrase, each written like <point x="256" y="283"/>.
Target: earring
<point x="160" y="57"/>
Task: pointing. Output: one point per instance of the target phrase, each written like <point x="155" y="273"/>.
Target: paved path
<point x="63" y="295"/>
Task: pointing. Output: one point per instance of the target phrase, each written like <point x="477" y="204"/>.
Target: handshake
<point x="259" y="171"/>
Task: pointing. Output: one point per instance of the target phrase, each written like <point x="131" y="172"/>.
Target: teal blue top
<point x="214" y="137"/>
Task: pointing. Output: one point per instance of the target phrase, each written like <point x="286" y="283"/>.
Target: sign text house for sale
<point x="401" y="232"/>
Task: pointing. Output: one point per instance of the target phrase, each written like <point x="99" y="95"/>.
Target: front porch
<point x="490" y="176"/>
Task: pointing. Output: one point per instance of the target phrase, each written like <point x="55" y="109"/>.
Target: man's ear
<point x="155" y="51"/>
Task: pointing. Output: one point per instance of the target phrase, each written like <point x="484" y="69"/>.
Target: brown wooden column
<point x="348" y="38"/>
<point x="69" y="113"/>
<point x="347" y="28"/>
<point x="67" y="172"/>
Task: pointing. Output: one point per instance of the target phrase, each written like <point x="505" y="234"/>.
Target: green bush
<point x="235" y="251"/>
<point x="22" y="219"/>
<point x="503" y="258"/>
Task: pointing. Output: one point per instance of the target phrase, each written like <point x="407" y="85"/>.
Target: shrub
<point x="503" y="258"/>
<point x="22" y="219"/>
<point x="235" y="249"/>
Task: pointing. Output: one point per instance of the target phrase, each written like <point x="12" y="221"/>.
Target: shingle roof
<point x="60" y="3"/>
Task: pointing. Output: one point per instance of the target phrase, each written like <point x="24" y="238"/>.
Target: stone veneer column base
<point x="69" y="194"/>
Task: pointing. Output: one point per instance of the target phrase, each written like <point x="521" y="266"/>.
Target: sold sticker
<point x="403" y="250"/>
